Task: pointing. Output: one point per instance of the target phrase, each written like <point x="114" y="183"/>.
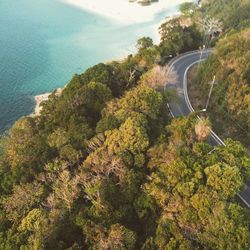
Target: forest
<point x="105" y="166"/>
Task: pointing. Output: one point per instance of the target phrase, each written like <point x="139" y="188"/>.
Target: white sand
<point x="41" y="98"/>
<point x="124" y="11"/>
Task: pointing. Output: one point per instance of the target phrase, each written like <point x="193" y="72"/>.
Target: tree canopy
<point x="104" y="166"/>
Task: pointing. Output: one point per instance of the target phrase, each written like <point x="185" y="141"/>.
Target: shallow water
<point x="44" y="42"/>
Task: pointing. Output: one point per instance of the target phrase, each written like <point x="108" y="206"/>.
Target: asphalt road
<point x="183" y="107"/>
<point x="180" y="65"/>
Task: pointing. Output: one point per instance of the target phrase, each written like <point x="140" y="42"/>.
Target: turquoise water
<point x="44" y="42"/>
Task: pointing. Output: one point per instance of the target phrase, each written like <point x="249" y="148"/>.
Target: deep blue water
<point x="44" y="42"/>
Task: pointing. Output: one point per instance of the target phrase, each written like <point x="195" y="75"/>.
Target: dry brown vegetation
<point x="202" y="129"/>
<point x="159" y="77"/>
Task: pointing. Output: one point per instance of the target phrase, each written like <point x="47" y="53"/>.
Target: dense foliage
<point x="104" y="166"/>
<point x="233" y="13"/>
<point x="177" y="37"/>
<point x="229" y="106"/>
<point x="225" y="24"/>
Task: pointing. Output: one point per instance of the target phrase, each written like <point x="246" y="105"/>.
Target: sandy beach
<point x="124" y="11"/>
<point x="41" y="98"/>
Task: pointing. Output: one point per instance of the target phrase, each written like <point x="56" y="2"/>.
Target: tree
<point x="35" y="226"/>
<point x="188" y="8"/>
<point x="147" y="58"/>
<point x="224" y="179"/>
<point x="211" y="27"/>
<point x="182" y="131"/>
<point x="92" y="98"/>
<point x="58" y="138"/>
<point x="142" y="99"/>
<point x="107" y="123"/>
<point x="65" y="191"/>
<point x="121" y="238"/>
<point x="144" y="43"/>
<point x="159" y="76"/>
<point x="131" y="136"/>
<point x="99" y="168"/>
<point x="202" y="129"/>
<point x="178" y="38"/>
<point x="25" y="145"/>
<point x="196" y="191"/>
<point x="116" y="237"/>
<point x="24" y="198"/>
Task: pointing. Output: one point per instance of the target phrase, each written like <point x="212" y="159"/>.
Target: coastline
<point x="147" y="13"/>
<point x="124" y="11"/>
<point x="41" y="98"/>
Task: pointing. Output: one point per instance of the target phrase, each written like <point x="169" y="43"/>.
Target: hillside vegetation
<point x="106" y="167"/>
<point x="229" y="106"/>
<point x="233" y="13"/>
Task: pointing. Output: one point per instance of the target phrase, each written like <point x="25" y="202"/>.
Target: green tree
<point x="178" y="38"/>
<point x="144" y="43"/>
<point x="24" y="198"/>
<point x="196" y="192"/>
<point x="143" y="99"/>
<point x="25" y="146"/>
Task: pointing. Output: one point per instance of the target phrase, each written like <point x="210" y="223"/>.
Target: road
<point x="183" y="107"/>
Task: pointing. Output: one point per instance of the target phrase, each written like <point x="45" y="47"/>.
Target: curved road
<point x="181" y="65"/>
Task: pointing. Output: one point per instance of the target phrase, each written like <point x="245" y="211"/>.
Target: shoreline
<point x="91" y="7"/>
<point x="124" y="11"/>
<point x="41" y="98"/>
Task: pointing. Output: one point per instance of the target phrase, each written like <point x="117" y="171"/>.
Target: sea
<point x="43" y="43"/>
